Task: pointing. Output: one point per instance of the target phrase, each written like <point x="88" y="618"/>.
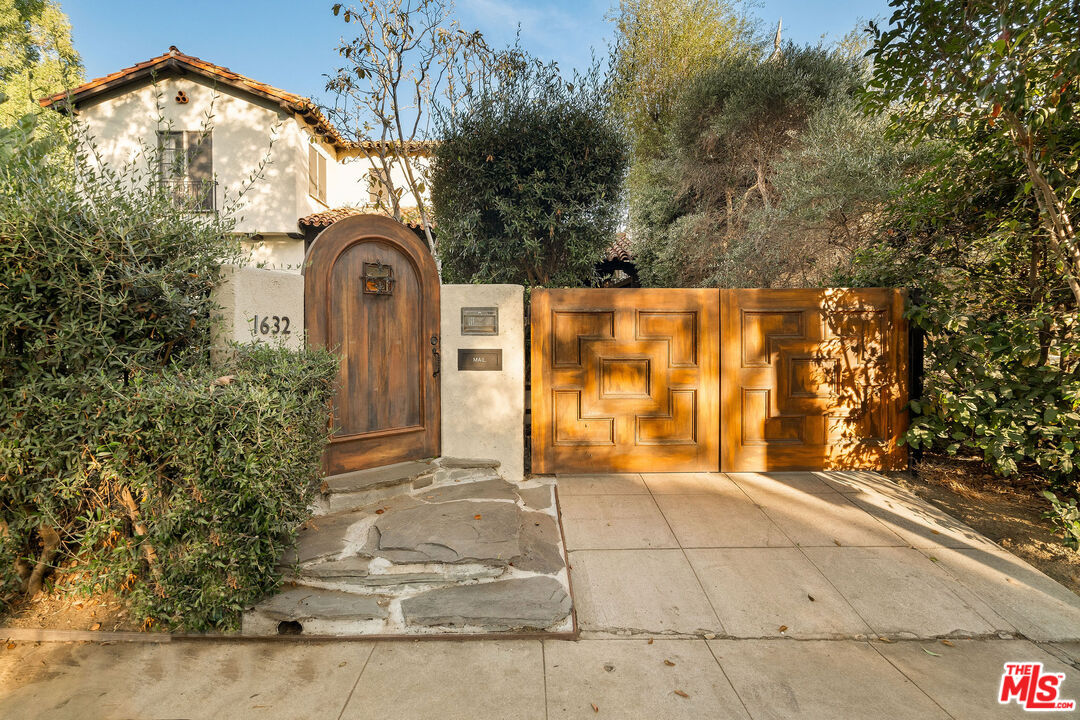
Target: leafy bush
<point x="713" y="208"/>
<point x="526" y="180"/>
<point x="990" y="392"/>
<point x="183" y="486"/>
<point x="1065" y="513"/>
<point x="994" y="389"/>
<point x="1002" y="377"/>
<point x="123" y="464"/>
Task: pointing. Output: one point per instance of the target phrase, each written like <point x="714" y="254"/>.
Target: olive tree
<point x="754" y="185"/>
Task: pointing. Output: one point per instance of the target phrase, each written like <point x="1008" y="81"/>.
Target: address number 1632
<point x="272" y="324"/>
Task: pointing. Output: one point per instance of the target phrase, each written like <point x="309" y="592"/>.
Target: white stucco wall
<point x="350" y="185"/>
<point x="124" y="129"/>
<point x="483" y="412"/>
<point x="276" y="252"/>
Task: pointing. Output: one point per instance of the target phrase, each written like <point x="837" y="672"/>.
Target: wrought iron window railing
<point x="200" y="195"/>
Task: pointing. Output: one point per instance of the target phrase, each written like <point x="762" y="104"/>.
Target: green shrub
<point x="526" y="182"/>
<point x="224" y="468"/>
<point x="711" y="209"/>
<point x="183" y="486"/>
<point x="1002" y="370"/>
<point x="126" y="464"/>
<point x="995" y="390"/>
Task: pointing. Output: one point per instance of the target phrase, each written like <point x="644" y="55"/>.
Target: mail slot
<point x="479" y="321"/>
<point x="479" y="359"/>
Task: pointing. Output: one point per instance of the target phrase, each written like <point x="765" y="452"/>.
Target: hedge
<point x="127" y="462"/>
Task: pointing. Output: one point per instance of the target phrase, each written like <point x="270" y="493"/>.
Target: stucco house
<point x="209" y="130"/>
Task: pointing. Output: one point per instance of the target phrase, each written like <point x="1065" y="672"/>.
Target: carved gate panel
<point x="813" y="379"/>
<point x="625" y="380"/>
<point x="704" y="380"/>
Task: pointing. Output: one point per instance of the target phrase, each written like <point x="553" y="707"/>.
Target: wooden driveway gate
<point x="704" y="380"/>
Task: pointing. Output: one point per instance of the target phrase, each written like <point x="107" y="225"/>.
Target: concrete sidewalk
<point x="700" y="596"/>
<point x="442" y="680"/>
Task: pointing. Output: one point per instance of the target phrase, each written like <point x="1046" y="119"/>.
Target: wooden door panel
<point x="386" y="407"/>
<point x="625" y="380"/>
<point x="813" y="379"/>
<point x="378" y="337"/>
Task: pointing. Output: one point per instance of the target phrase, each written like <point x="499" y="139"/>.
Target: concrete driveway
<point x="699" y="596"/>
<point x="840" y="555"/>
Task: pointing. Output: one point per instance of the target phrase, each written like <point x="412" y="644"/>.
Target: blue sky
<point x="290" y="43"/>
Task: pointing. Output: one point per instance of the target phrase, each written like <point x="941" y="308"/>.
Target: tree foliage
<point x="985" y="233"/>
<point x="36" y="56"/>
<point x="1006" y="75"/>
<point x="659" y="46"/>
<point x="527" y="178"/>
<point x="406" y="56"/>
<point x="771" y="175"/>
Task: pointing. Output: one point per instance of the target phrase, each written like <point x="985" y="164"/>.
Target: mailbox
<point x="378" y="279"/>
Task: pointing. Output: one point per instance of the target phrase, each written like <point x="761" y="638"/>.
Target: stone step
<point x="315" y="611"/>
<point x="361" y="574"/>
<point x="467" y="463"/>
<point x="352" y="490"/>
<point x="385" y="476"/>
<point x="446" y="549"/>
<point x="534" y="603"/>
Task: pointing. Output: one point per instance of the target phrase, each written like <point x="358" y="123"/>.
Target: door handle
<point x="436" y="358"/>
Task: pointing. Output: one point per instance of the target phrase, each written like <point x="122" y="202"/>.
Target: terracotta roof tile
<point x="174" y="59"/>
<point x="418" y="147"/>
<point x="620" y="249"/>
<point x="326" y="218"/>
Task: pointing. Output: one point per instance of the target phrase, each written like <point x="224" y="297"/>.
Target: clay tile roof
<point x="619" y="249"/>
<point x="174" y="61"/>
<point x="418" y="147"/>
<point x="326" y="218"/>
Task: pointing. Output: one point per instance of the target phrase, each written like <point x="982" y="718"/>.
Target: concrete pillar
<point x="257" y="305"/>
<point x="483" y="374"/>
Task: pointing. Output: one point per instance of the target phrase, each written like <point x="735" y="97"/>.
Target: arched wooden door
<point x="371" y="295"/>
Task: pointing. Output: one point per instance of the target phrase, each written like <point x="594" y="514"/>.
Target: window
<point x="186" y="166"/>
<point x="316" y="174"/>
<point x="377" y="188"/>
